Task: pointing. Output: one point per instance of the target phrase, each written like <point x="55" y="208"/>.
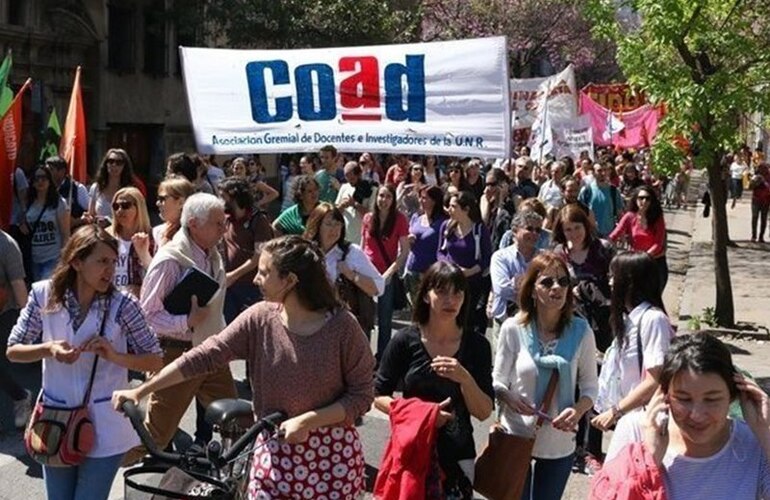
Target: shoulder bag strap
<point x="33" y="228"/>
<point x="639" y="349"/>
<point x="548" y="398"/>
<point x="87" y="397"/>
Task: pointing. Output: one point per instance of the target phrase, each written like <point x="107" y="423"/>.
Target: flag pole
<point x="542" y="128"/>
<point x="19" y="93"/>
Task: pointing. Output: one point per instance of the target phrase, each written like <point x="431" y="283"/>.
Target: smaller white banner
<point x="573" y="138"/>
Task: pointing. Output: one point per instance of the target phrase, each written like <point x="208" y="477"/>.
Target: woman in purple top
<point x="424" y="229"/>
<point x="464" y="241"/>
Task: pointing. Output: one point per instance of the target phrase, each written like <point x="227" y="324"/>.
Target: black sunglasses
<point x="491" y="184"/>
<point x="125" y="205"/>
<point x="533" y="229"/>
<point x="642" y="197"/>
<point x="548" y="282"/>
<point x="115" y="161"/>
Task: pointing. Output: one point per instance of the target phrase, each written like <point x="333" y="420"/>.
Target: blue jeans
<point x="90" y="480"/>
<point x="43" y="270"/>
<point x="551" y="477"/>
<point x="239" y="297"/>
<point x="384" y="318"/>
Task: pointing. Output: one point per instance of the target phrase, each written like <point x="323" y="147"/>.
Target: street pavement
<point x="690" y="289"/>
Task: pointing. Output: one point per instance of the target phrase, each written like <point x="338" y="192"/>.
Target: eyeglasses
<point x="642" y="197"/>
<point x="549" y="282"/>
<point x="122" y="205"/>
<point x="115" y="161"/>
<point x="532" y="229"/>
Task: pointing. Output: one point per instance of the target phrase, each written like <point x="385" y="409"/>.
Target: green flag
<point x="51" y="136"/>
<point x="6" y="94"/>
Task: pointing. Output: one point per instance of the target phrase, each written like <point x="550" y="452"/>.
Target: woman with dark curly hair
<point x="292" y="220"/>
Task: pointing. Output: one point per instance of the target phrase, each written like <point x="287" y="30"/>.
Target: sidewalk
<point x="749" y="270"/>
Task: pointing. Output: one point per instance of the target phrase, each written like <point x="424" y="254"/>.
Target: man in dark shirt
<point x="523" y="187"/>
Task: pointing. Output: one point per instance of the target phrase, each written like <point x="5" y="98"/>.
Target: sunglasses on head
<point x="548" y="282"/>
<point x="122" y="205"/>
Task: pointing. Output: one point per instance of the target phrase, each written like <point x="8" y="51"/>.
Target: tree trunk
<point x="725" y="311"/>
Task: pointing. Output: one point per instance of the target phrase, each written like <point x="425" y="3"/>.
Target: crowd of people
<point x="513" y="272"/>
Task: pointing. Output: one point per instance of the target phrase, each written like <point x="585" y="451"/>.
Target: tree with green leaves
<point x="279" y="24"/>
<point x="709" y="62"/>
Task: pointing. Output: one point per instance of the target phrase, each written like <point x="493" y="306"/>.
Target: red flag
<point x="10" y="140"/>
<point x="73" y="138"/>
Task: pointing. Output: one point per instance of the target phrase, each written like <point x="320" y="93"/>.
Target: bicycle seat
<point x="222" y="411"/>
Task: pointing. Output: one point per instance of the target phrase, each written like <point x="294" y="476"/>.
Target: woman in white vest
<point x="61" y="326"/>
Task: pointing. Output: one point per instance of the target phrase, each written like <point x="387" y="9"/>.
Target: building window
<point x="155" y="48"/>
<point x="15" y="12"/>
<point x="121" y="39"/>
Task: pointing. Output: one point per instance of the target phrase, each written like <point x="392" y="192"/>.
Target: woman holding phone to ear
<point x="686" y="445"/>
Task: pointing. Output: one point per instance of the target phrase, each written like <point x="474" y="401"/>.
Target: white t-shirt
<point x="656" y="336"/>
<point x="121" y="277"/>
<point x="738" y="169"/>
<point x="515" y="369"/>
<point x="550" y="194"/>
<point x="103" y="207"/>
<point x="357" y="261"/>
<point x="739" y="471"/>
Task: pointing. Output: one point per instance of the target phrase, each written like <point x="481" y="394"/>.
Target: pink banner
<point x="634" y="129"/>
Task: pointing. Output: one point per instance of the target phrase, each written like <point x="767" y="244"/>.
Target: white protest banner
<point x="571" y="139"/>
<point x="448" y="98"/>
<point x="526" y="98"/>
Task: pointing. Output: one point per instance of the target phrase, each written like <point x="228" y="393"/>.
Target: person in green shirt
<point x="293" y="219"/>
<point x="327" y="174"/>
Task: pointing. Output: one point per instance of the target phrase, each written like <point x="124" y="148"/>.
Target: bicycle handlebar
<point x="271" y="421"/>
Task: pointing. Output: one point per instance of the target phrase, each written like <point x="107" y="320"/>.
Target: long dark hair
<point x="126" y="175"/>
<point x="440" y="276"/>
<point x="467" y="201"/>
<point x="634" y="280"/>
<point x="390" y="217"/>
<point x="437" y="195"/>
<point x="294" y="254"/>
<point x="654" y="211"/>
<point x="51" y="195"/>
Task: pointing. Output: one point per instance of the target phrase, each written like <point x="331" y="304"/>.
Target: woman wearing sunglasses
<point x="49" y="222"/>
<point x="645" y="229"/>
<point x="131" y="228"/>
<point x="545" y="338"/>
<point x="172" y="193"/>
<point x="642" y="335"/>
<point x="115" y="172"/>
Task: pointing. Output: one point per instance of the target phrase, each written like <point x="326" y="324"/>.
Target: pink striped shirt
<point x="158" y="283"/>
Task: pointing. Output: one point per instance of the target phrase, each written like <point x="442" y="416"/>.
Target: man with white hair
<point x="194" y="245"/>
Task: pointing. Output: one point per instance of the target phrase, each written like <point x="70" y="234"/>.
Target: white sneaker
<point x="22" y="409"/>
